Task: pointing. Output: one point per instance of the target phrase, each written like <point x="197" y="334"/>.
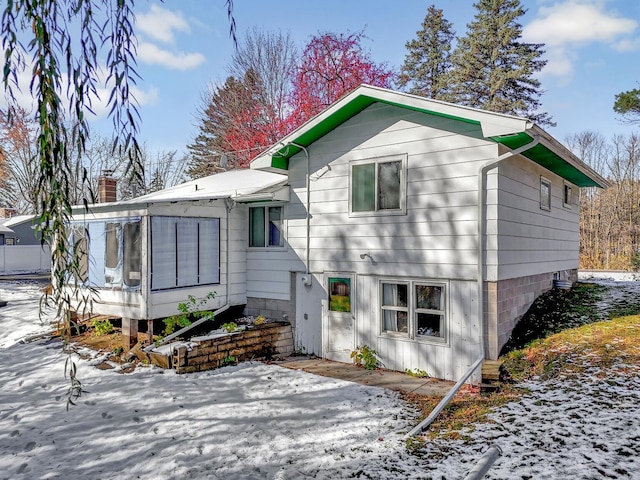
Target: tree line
<point x="49" y="161"/>
<point x="271" y="90"/>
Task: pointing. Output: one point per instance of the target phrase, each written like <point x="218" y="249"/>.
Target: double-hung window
<point x="414" y="309"/>
<point x="265" y="226"/>
<point x="378" y="186"/>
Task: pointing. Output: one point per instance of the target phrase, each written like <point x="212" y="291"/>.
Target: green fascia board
<point x="281" y="158"/>
<point x="538" y="154"/>
<point x="547" y="159"/>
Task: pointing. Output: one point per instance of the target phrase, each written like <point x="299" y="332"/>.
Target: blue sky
<point x="593" y="48"/>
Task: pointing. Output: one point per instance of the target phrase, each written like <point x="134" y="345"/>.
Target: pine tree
<point x="493" y="69"/>
<point x="628" y="105"/>
<point x="428" y="63"/>
<point x="233" y="122"/>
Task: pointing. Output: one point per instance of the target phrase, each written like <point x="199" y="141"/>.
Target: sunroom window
<point x="377" y="186"/>
<point x="185" y="251"/>
<point x="265" y="226"/>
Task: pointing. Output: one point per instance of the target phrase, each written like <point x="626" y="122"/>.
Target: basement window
<point x="414" y="309"/>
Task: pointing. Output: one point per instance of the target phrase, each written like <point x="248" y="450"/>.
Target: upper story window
<point x="567" y="195"/>
<point x="266" y="226"/>
<point x="378" y="186"/>
<point x="545" y="194"/>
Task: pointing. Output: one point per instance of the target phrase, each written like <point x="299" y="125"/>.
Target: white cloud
<point x="577" y="22"/>
<point x="567" y="26"/>
<point x="152" y="54"/>
<point x="99" y="107"/>
<point x="627" y="45"/>
<point x="160" y="24"/>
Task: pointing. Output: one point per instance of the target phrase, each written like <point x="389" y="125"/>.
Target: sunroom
<point x="141" y="257"/>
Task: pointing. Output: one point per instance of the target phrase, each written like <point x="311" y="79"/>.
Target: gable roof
<point x="510" y="131"/>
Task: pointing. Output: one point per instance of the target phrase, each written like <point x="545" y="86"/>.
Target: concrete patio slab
<point x="389" y="379"/>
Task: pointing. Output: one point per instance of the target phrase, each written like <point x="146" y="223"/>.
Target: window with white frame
<point x="185" y="251"/>
<point x="545" y="194"/>
<point x="414" y="309"/>
<point x="567" y="195"/>
<point x="378" y="186"/>
<point x="266" y="226"/>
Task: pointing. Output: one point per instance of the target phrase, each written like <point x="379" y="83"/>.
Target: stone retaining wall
<point x="259" y="341"/>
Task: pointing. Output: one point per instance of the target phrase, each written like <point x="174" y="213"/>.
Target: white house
<point x="419" y="228"/>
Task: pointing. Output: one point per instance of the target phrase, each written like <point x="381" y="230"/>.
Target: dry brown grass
<point x="596" y="347"/>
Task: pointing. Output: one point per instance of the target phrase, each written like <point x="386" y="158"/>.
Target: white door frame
<point x="345" y="321"/>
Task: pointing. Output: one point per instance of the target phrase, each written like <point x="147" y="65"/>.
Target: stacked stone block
<point x="259" y="341"/>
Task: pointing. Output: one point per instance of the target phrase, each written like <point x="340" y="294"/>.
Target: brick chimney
<point x="107" y="187"/>
<point x="7" y="212"/>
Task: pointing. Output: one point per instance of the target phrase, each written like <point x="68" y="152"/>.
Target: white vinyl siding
<point x="522" y="238"/>
<point x="438" y="233"/>
<point x="377" y="186"/>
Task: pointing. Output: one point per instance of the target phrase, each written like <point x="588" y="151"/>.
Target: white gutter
<point x="443" y="403"/>
<point x="482" y="176"/>
<point x="482" y="186"/>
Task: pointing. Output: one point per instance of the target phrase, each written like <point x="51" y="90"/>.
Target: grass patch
<point x="597" y="346"/>
<point x="593" y="345"/>
<point x="554" y="311"/>
<point x="459" y="417"/>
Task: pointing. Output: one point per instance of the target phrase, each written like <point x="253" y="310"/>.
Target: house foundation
<point x="506" y="301"/>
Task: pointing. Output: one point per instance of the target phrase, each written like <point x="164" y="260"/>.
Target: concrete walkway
<point x="398" y="381"/>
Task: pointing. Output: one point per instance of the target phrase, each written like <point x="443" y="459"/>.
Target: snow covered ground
<point x="257" y="421"/>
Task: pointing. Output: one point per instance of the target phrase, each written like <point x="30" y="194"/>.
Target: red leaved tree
<point x="331" y="66"/>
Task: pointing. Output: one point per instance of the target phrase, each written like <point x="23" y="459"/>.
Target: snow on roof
<point x="233" y="184"/>
<point x="17" y="220"/>
<point x="5" y="229"/>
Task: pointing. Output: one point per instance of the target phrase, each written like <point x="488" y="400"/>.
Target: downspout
<point x="482" y="185"/>
<point x="306" y="280"/>
<point x="482" y="176"/>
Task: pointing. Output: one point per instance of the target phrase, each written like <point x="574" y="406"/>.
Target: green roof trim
<point x="281" y="158"/>
<point x="547" y="159"/>
<point x="539" y="154"/>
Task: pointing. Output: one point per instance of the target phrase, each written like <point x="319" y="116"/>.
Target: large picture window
<point x="185" y="251"/>
<point x="378" y="186"/>
<point x="413" y="309"/>
<point x="265" y="226"/>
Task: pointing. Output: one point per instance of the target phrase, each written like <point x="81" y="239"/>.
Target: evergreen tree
<point x="233" y="121"/>
<point x="493" y="69"/>
<point x="428" y="63"/>
<point x="628" y="104"/>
